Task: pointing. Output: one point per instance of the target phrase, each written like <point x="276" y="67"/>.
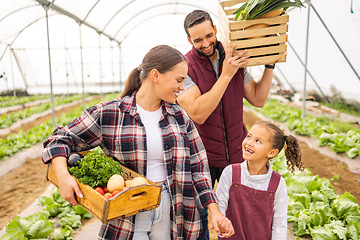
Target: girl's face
<point x="172" y="82"/>
<point x="257" y="145"/>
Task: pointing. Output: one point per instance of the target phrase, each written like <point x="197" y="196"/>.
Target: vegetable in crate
<point x="95" y="169"/>
<point x="254" y="9"/>
<point x="73" y="159"/>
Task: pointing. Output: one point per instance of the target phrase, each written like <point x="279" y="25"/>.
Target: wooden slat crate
<point x="129" y="202"/>
<point x="266" y="43"/>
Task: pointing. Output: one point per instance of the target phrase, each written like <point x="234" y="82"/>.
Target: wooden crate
<point x="266" y="44"/>
<point x="129" y="202"/>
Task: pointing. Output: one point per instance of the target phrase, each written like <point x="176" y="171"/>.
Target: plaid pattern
<point x="116" y="127"/>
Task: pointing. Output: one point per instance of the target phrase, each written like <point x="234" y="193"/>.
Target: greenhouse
<point x="60" y="57"/>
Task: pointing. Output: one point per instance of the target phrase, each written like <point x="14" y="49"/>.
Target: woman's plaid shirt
<point x="116" y="127"/>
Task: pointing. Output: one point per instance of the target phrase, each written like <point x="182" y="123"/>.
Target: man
<point x="214" y="92"/>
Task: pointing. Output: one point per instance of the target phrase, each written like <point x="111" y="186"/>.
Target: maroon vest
<point x="249" y="210"/>
<point x="224" y="130"/>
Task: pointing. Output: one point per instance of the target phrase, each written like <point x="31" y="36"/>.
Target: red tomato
<point x="114" y="192"/>
<point x="99" y="190"/>
<point x="107" y="195"/>
<point x="105" y="190"/>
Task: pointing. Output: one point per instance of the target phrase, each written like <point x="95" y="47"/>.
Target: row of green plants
<point x="341" y="137"/>
<point x="8" y="101"/>
<point x="7" y="120"/>
<point x="315" y="209"/>
<point x="57" y="220"/>
<point x="25" y="139"/>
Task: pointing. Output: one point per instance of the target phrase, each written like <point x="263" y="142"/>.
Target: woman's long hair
<point x="162" y="57"/>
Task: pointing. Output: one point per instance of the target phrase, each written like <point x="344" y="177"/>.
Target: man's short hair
<point x="196" y="17"/>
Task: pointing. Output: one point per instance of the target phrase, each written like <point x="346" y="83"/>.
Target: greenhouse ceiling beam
<point x="18" y="34"/>
<point x="60" y="10"/>
<point x="151" y="8"/>
<point x="129" y="3"/>
<point x="149" y="18"/>
<point x="336" y="43"/>
<point x="308" y="72"/>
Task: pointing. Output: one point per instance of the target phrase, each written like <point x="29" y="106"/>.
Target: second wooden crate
<point x="265" y="38"/>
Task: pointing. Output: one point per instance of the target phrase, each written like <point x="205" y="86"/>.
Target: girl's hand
<point x="226" y="228"/>
<point x="220" y="223"/>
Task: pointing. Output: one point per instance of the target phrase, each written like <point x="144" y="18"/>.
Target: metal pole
<point x="286" y="80"/>
<point x="50" y="72"/>
<point x="82" y="70"/>
<point x="120" y="77"/>
<point x="12" y="71"/>
<point x="338" y="46"/>
<point x="112" y="66"/>
<point x="310" y="75"/>
<point x="100" y="68"/>
<point x="306" y="57"/>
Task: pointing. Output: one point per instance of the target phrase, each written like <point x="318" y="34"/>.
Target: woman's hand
<point x="220" y="223"/>
<point x="67" y="183"/>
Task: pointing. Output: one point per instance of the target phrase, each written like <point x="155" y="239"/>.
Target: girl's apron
<point x="251" y="210"/>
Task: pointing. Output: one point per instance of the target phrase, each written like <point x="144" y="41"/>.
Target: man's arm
<point x="256" y="93"/>
<point x="199" y="106"/>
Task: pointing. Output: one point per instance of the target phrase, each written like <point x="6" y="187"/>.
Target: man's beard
<point x="207" y="55"/>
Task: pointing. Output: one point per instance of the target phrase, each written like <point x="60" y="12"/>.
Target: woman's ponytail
<point x="132" y="83"/>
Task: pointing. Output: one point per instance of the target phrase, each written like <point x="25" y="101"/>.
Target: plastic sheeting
<point x="116" y="35"/>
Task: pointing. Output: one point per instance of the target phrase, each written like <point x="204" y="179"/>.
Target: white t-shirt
<point x="155" y="161"/>
<point x="259" y="182"/>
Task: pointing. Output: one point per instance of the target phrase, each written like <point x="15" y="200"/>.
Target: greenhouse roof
<point x="114" y="36"/>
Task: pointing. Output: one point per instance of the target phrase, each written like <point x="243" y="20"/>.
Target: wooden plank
<point x="230" y="3"/>
<point x="248" y="33"/>
<point x="266" y="60"/>
<point x="281" y="48"/>
<point x="236" y="25"/>
<point x="248" y="43"/>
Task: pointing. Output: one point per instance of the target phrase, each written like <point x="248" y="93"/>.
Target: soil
<point x="23" y="186"/>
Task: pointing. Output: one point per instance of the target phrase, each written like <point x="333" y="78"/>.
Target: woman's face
<point x="172" y="82"/>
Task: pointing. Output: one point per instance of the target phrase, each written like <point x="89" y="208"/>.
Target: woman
<point x="147" y="132"/>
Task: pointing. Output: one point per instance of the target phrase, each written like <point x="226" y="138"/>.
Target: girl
<point x="251" y="194"/>
<point x="147" y="132"/>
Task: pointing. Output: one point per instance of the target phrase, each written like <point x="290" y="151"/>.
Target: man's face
<point x="203" y="38"/>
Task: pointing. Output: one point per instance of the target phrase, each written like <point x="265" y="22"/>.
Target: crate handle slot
<point x="137" y="196"/>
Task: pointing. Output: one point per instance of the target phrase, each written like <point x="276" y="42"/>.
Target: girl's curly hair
<point x="292" y="150"/>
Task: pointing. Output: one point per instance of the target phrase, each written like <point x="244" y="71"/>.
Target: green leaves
<point x="328" y="132"/>
<point x="316" y="210"/>
<point x="95" y="169"/>
<point x="38" y="226"/>
<point x="254" y="9"/>
<point x="32" y="227"/>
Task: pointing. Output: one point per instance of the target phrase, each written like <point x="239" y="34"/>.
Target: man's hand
<point x="232" y="63"/>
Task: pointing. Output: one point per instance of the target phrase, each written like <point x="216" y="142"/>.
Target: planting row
<point x="7" y="120"/>
<point x="314" y="207"/>
<point x="339" y="136"/>
<point x="56" y="220"/>
<point x="21" y="140"/>
<point x="8" y="101"/>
